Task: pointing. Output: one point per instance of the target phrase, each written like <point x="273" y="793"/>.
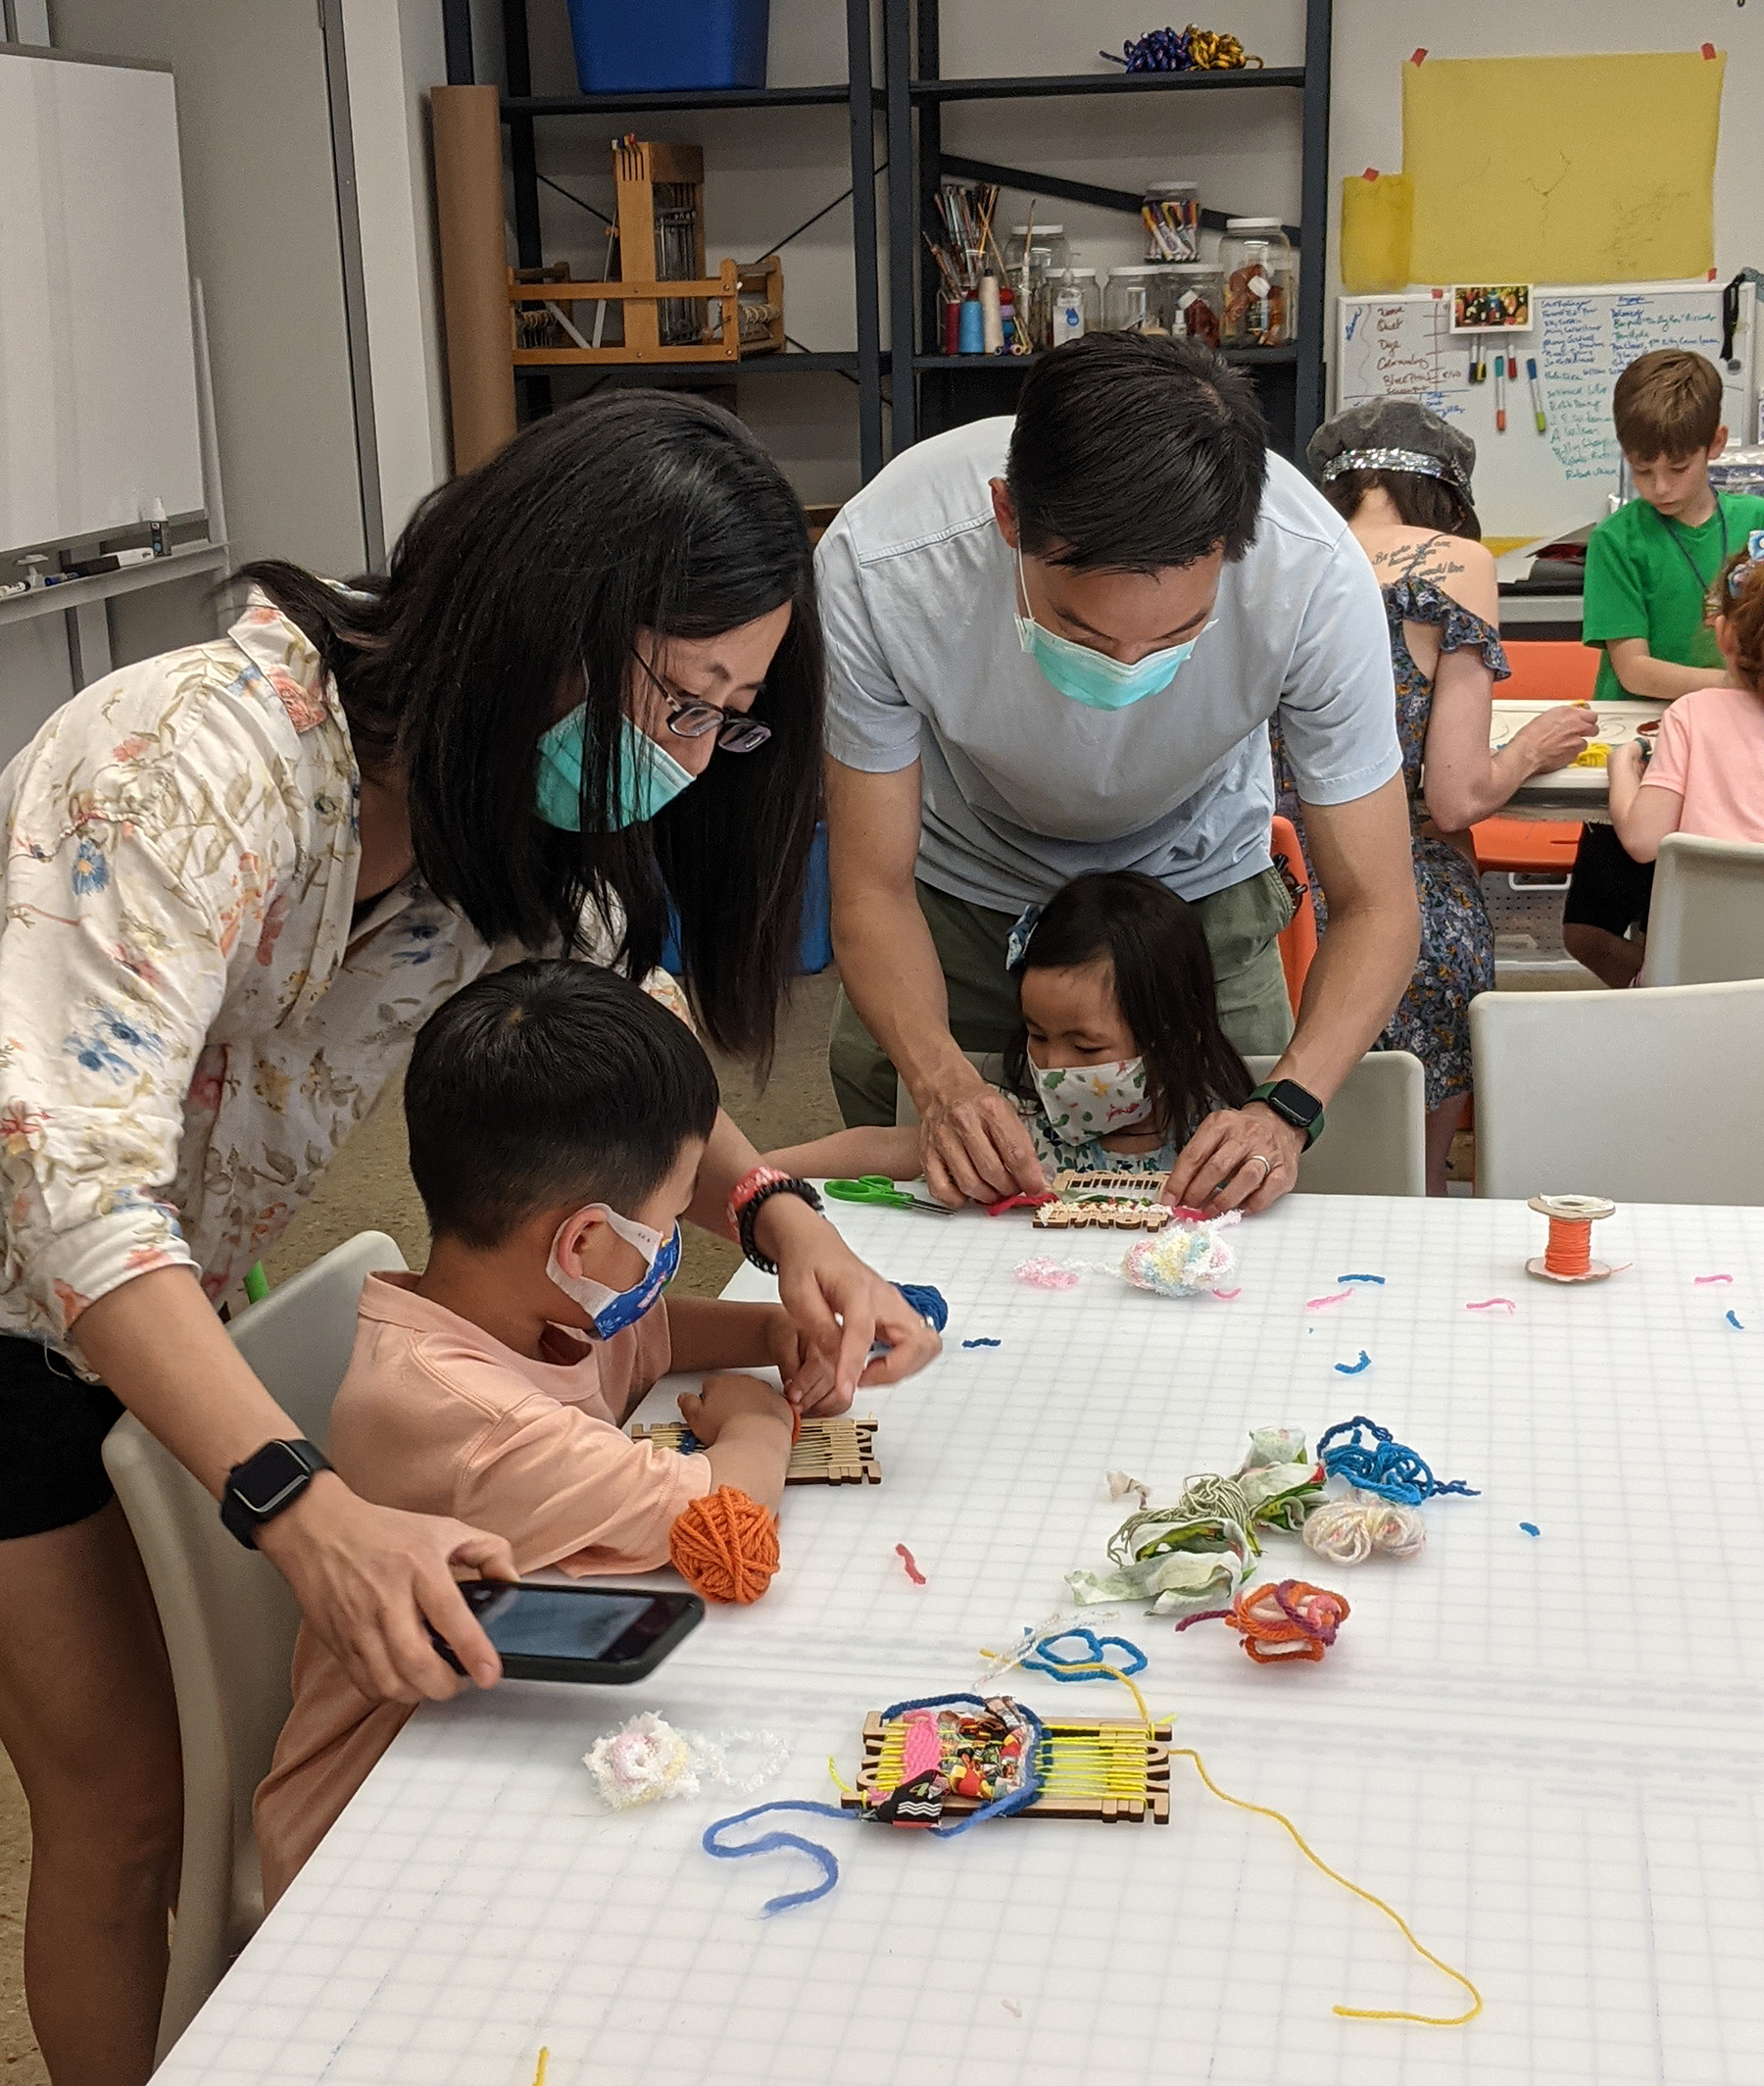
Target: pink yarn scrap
<point x="1702" y="1281"/>
<point x="1505" y="1304"/>
<point x="1042" y="1273"/>
<point x="1227" y="1296"/>
<point x="1323" y="1303"/>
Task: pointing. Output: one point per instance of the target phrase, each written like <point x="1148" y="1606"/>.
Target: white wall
<point x="1372" y="38"/>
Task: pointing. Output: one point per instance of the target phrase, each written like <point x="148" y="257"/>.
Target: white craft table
<point x="1546" y="1752"/>
<point x="1569" y="792"/>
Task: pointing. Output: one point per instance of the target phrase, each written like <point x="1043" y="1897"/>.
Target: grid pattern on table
<point x="471" y="1905"/>
<point x="1544" y="1752"/>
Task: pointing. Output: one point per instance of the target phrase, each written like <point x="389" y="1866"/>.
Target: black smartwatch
<point x="266" y="1484"/>
<point x="1292" y="1103"/>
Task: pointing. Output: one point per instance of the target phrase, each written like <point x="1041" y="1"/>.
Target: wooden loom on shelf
<point x="673" y="310"/>
<point x="1117" y="1772"/>
<point x="828" y="1452"/>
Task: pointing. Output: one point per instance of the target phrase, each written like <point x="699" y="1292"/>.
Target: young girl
<point x="1119" y="1053"/>
<point x="1706" y="775"/>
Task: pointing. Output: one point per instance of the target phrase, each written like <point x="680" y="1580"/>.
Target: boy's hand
<point x="726" y="1399"/>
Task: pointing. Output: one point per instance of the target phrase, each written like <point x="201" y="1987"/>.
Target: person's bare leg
<point x="1443" y="1124"/>
<point x="1612" y="960"/>
<point x="89" y="1720"/>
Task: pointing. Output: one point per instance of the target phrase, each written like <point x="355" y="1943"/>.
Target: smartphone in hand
<point x="602" y="1635"/>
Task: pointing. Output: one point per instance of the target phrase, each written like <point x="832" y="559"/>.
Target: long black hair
<point x="520" y="589"/>
<point x="1163" y="985"/>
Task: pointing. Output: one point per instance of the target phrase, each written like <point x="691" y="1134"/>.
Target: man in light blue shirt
<point x="1053" y="646"/>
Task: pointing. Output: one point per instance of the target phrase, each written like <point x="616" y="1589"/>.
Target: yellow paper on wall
<point x="1377" y="230"/>
<point x="1562" y="170"/>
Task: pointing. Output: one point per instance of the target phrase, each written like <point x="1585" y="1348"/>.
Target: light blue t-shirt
<point x="1022" y="788"/>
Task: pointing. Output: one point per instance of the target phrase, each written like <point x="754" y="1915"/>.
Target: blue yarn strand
<point x="1384" y="1465"/>
<point x="1045" y="1660"/>
<point x="771" y="1842"/>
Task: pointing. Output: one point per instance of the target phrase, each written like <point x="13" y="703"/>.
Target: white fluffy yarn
<point x="646" y="1761"/>
<point x="1346" y="1531"/>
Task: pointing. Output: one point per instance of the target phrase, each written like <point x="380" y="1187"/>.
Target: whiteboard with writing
<point x="97" y="356"/>
<point x="1533" y="484"/>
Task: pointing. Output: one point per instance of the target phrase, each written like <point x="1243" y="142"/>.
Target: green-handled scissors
<point x="878" y="1188"/>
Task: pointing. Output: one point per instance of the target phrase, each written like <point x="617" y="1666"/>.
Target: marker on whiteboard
<point x="156" y="528"/>
<point x="1537" y="392"/>
<point x="1500" y="363"/>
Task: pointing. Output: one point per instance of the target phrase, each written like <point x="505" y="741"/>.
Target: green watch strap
<point x="1312" y="1130"/>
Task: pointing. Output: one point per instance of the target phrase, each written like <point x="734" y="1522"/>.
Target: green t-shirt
<point x="1650" y="578"/>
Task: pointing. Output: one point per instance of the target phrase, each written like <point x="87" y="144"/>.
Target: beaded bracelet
<point x="779" y="1184"/>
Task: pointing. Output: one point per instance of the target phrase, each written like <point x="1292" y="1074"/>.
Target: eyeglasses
<point x="690" y="718"/>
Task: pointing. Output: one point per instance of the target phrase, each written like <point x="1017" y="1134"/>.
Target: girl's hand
<point x="1624" y="762"/>
<point x="840" y="1307"/>
<point x="1239" y="1158"/>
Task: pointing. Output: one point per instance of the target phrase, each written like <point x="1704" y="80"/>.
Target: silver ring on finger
<point x="1257" y="1158"/>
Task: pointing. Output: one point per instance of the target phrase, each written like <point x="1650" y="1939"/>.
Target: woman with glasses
<point x="237" y="879"/>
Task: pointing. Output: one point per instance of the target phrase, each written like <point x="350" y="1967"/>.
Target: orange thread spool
<point x="725" y="1546"/>
<point x="1568" y="1252"/>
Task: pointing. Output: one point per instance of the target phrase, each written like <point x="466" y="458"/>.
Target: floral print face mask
<point x="1085" y="1101"/>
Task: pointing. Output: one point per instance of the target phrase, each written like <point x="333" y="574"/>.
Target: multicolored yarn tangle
<point x="1383" y="1465"/>
<point x="1346" y="1531"/>
<point x="1182" y="1258"/>
<point x="725" y="1546"/>
<point x="1276" y="1624"/>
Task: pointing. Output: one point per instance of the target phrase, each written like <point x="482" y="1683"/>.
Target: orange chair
<point x="1543" y="674"/>
<point x="1299" y="938"/>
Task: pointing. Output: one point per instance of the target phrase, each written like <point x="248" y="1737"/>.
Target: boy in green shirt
<point x="1650" y="568"/>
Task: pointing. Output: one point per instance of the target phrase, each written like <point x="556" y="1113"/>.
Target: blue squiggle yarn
<point x="1045" y="1659"/>
<point x="1384" y="1464"/>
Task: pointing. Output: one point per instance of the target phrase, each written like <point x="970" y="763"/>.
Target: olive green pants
<point x="1242" y="923"/>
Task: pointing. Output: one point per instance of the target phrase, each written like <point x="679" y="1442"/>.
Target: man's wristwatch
<point x="1292" y="1103"/>
<point x="266" y="1484"/>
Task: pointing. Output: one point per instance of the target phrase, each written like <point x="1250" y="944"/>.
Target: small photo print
<point x="1491" y="307"/>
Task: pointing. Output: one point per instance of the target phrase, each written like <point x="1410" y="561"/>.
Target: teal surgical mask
<point x="1093" y="678"/>
<point x="649" y="775"/>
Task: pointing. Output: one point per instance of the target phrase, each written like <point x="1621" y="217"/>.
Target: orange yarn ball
<point x="725" y="1546"/>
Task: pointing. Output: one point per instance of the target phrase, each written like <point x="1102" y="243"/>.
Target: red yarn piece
<point x="725" y="1546"/>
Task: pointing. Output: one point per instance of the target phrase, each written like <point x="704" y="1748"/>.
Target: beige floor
<point x="369" y="1187"/>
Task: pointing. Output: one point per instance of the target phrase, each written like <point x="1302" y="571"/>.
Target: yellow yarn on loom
<point x="544" y="2060"/>
<point x="1267" y="1811"/>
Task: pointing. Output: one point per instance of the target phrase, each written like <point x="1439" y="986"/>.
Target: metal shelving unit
<point x="949" y="390"/>
<point x="522" y="110"/>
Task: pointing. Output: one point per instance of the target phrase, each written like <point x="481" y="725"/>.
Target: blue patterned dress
<point x="1457" y="941"/>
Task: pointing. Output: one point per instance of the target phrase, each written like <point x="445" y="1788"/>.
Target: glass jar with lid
<point x="1197" y="299"/>
<point x="1257" y="260"/>
<point x="1136" y="299"/>
<point x="1171" y="214"/>
<point x="1077" y="305"/>
<point x="1048" y="261"/>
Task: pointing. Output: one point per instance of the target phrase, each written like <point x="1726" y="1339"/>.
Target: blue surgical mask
<point x="612" y="1310"/>
<point x="649" y="775"/>
<point x="1093" y="678"/>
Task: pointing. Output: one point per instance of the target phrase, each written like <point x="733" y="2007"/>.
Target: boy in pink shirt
<point x="1707" y="773"/>
<point x="556" y="1116"/>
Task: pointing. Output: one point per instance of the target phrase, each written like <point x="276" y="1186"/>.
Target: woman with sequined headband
<point x="1400" y="475"/>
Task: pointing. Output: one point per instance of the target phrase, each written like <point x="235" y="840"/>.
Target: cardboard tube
<point x="474" y="271"/>
<point x="990" y="319"/>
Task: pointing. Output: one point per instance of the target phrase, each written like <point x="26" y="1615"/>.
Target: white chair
<point x="228" y="1617"/>
<point x="1705" y="922"/>
<point x="1374" y="1141"/>
<point x="1643" y="1096"/>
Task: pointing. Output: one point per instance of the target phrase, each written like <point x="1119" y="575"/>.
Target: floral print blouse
<point x="191" y="1022"/>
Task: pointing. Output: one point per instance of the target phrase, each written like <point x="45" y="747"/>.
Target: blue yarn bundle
<point x="1383" y="1465"/>
<point x="927" y="1301"/>
<point x="1157" y="51"/>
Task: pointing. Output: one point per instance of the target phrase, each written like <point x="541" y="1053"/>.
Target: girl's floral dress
<point x="191" y="1022"/>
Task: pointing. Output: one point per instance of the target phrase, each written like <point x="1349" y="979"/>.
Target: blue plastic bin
<point x="649" y="46"/>
<point x="814" y="943"/>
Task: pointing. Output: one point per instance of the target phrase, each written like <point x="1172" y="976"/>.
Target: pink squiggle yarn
<point x="1042" y="1273"/>
<point x="1323" y="1303"/>
<point x="1227" y="1296"/>
<point x="1702" y="1281"/>
<point x="1493" y="1304"/>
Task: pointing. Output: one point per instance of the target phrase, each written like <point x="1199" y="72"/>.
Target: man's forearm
<point x="1360" y="970"/>
<point x="889" y="967"/>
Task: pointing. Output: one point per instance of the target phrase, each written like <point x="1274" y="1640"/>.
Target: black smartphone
<point x="606" y="1635"/>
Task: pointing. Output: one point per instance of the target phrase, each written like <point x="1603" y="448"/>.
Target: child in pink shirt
<point x="1706" y="775"/>
<point x="556" y="1116"/>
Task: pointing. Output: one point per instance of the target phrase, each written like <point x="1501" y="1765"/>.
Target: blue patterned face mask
<point x="612" y="1310"/>
<point x="649" y="775"/>
<point x="1093" y="678"/>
